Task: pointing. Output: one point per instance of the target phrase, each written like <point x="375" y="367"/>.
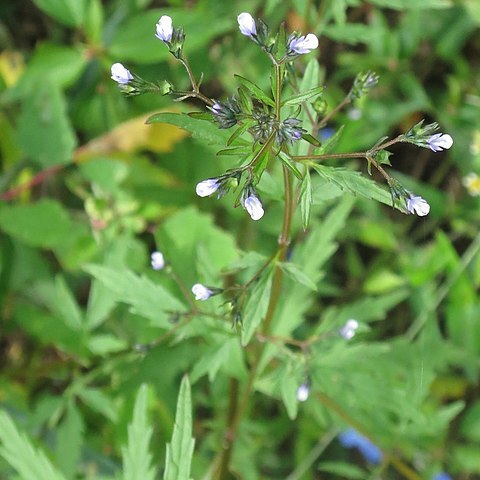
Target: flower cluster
<point x="289" y="131"/>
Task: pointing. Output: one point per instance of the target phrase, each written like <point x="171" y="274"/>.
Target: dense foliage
<point x="327" y="334"/>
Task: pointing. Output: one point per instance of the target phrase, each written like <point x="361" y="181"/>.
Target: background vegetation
<point x="89" y="191"/>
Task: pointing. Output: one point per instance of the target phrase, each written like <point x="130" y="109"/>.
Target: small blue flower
<point x="352" y="439"/>
<point x="442" y="476"/>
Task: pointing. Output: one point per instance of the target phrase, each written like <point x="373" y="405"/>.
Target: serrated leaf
<point x="18" y="451"/>
<point x="180" y="450"/>
<point x="145" y="297"/>
<point x="303" y="96"/>
<point x="287" y="161"/>
<point x="256" y="306"/>
<point x="294" y="272"/>
<point x="256" y="91"/>
<point x="200" y="129"/>
<point x="383" y="157"/>
<point x="306" y="199"/>
<point x="355" y="182"/>
<point x="137" y="459"/>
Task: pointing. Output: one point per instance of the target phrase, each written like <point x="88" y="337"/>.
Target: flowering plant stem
<point x="239" y="402"/>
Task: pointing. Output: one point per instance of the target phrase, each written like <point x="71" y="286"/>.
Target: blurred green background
<point x="88" y="191"/>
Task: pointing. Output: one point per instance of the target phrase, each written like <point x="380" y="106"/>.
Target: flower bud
<point x="157" y="261"/>
<point x="472" y="183"/>
<point x="120" y="74"/>
<point x="349" y="329"/>
<point x="201" y="292"/>
<point x="207" y="187"/>
<point x="253" y="206"/>
<point x="246" y="24"/>
<point x="164" y="29"/>
<point x="303" y="392"/>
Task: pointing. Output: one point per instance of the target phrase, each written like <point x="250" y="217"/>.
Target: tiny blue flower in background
<point x="442" y="476"/>
<point x="348" y="330"/>
<point x="303" y="392"/>
<point x="302" y="45"/>
<point x="246" y="24"/>
<point x="253" y="206"/>
<point x="439" y="142"/>
<point x="418" y="205"/>
<point x="164" y="29"/>
<point x="157" y="261"/>
<point x="120" y="74"/>
<point x="201" y="292"/>
<point x="326" y="133"/>
<point x="352" y="439"/>
<point x="207" y="187"/>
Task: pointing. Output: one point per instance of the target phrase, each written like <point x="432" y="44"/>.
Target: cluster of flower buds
<point x="132" y="84"/>
<point x="226" y="113"/>
<point x="174" y="38"/>
<point x="425" y="136"/>
<point x="362" y="84"/>
<point x="289" y="131"/>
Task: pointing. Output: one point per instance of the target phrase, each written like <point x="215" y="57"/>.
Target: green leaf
<point x="355" y="182"/>
<point x="343" y="470"/>
<point x="146" y="298"/>
<point x="67" y="12"/>
<point x="43" y="224"/>
<point x="18" y="451"/>
<point x="383" y="157"/>
<point x="256" y="91"/>
<point x="200" y="129"/>
<point x="137" y="460"/>
<point x="66" y="305"/>
<point x="288" y="389"/>
<point x="287" y="161"/>
<point x="256" y="306"/>
<point x="98" y="401"/>
<point x="135" y="39"/>
<point x="303" y="96"/>
<point x="69" y="441"/>
<point x="106" y="344"/>
<point x="180" y="450"/>
<point x="294" y="272"/>
<point x="44" y="130"/>
<point x="306" y="199"/>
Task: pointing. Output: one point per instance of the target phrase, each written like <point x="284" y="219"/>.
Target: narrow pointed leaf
<point x="256" y="91"/>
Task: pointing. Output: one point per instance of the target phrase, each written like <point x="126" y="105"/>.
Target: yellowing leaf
<point x="11" y="66"/>
<point x="134" y="135"/>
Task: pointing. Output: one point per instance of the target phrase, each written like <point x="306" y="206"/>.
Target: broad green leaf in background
<point x="18" y="451"/>
<point x="146" y="298"/>
<point x="67" y="12"/>
<point x="135" y="40"/>
<point x="66" y="305"/>
<point x="137" y="460"/>
<point x="180" y="449"/>
<point x="44" y="130"/>
<point x="99" y="401"/>
<point x="43" y="224"/>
